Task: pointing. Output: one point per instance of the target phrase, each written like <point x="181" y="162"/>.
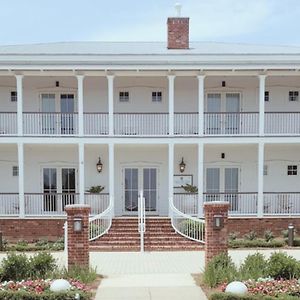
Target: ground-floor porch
<point x="38" y="180"/>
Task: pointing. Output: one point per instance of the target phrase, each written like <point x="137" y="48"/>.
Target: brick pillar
<point x="78" y="242"/>
<point x="216" y="239"/>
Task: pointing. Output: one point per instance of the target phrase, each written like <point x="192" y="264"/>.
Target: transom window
<point x="13" y="96"/>
<point x="157" y="96"/>
<point x="293" y="95"/>
<point x="124" y="96"/>
<point x="267" y="96"/>
<point x="292" y="170"/>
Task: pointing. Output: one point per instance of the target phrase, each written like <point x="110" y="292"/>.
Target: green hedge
<point x="229" y="296"/>
<point x="21" y="295"/>
<point x="242" y="243"/>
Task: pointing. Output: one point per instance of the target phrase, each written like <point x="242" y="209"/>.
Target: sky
<point x="275" y="22"/>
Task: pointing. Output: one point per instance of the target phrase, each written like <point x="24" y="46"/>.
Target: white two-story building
<point x="224" y="118"/>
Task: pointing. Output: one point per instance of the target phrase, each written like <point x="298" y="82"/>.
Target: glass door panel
<point x="150" y="188"/>
<point x="131" y="189"/>
<point x="67" y="113"/>
<point x="50" y="189"/>
<point x="68" y="186"/>
<point x="214" y="120"/>
<point x="48" y="119"/>
<point x="213" y="184"/>
<point x="232" y="121"/>
<point x="232" y="187"/>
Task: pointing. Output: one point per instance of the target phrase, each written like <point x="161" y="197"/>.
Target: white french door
<point x="223" y="113"/>
<point x="222" y="183"/>
<point x="136" y="179"/>
<point x="59" y="188"/>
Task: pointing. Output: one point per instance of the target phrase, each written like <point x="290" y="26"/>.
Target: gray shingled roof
<point x="142" y="48"/>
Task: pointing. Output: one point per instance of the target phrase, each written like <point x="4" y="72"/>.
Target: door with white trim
<point x="59" y="188"/>
<point x="136" y="179"/>
<point x="222" y="183"/>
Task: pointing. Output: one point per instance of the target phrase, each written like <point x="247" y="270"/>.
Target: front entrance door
<point x="223" y="184"/>
<point x="59" y="188"/>
<point x="135" y="180"/>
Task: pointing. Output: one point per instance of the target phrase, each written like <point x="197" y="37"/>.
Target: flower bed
<point x="40" y="289"/>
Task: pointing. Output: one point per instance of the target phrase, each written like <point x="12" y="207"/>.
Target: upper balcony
<point x="150" y="106"/>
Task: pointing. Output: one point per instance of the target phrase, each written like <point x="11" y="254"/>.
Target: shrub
<point x="15" y="267"/>
<point x="281" y="265"/>
<point x="220" y="269"/>
<point x="268" y="235"/>
<point x="250" y="236"/>
<point x="41" y="264"/>
<point x="240" y="243"/>
<point x="232" y="236"/>
<point x="253" y="267"/>
<point x="229" y="296"/>
<point x="192" y="229"/>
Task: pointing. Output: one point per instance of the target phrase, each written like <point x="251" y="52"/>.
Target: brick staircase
<point x="160" y="236"/>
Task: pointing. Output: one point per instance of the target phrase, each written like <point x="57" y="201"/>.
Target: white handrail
<point x="101" y="223"/>
<point x="142" y="219"/>
<point x="186" y="225"/>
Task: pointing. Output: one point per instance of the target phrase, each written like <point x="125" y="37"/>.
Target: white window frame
<point x="125" y="100"/>
<point x="155" y="99"/>
<point x="293" y="95"/>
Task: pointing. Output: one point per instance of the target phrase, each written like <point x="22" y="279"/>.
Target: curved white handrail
<point x="101" y="223"/>
<point x="142" y="219"/>
<point x="186" y="225"/>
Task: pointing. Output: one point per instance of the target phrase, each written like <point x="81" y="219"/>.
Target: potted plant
<point x="96" y="189"/>
<point x="188" y="188"/>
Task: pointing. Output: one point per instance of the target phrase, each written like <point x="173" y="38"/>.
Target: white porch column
<point x="260" y="189"/>
<point x="171" y="79"/>
<point x="19" y="79"/>
<point x="110" y="80"/>
<point x="21" y="180"/>
<point x="262" y="82"/>
<point x="111" y="168"/>
<point x="171" y="172"/>
<point x="80" y="79"/>
<point x="201" y="103"/>
<point x="200" y="179"/>
<point x="81" y="172"/>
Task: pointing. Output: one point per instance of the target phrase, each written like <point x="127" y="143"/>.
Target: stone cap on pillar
<point x="76" y="208"/>
<point x="216" y="205"/>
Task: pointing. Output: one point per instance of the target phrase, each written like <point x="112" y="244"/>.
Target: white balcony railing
<point x="186" y="123"/>
<point x="9" y="204"/>
<point x="95" y="123"/>
<point x="98" y="202"/>
<point x="242" y="123"/>
<point x="141" y="124"/>
<point x="8" y="123"/>
<point x="282" y="123"/>
<point x="239" y="203"/>
<point x="281" y="203"/>
<point x="36" y="123"/>
<point x="48" y="204"/>
<point x="187" y="203"/>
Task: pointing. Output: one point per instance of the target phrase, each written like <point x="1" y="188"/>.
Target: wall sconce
<point x="182" y="166"/>
<point x="223" y="155"/>
<point x="99" y="166"/>
<point x="77" y="224"/>
<point x="223" y="83"/>
<point x="218" y="221"/>
<point x="57" y="83"/>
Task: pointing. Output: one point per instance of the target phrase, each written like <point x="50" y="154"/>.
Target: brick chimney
<point x="178" y="31"/>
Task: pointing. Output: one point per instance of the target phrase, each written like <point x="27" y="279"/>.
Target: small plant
<point x="190" y="188"/>
<point x="219" y="270"/>
<point x="97" y="189"/>
<point x="22" y="243"/>
<point x="250" y="236"/>
<point x="253" y="267"/>
<point x="42" y="243"/>
<point x="15" y="267"/>
<point x="232" y="236"/>
<point x="281" y="265"/>
<point x="285" y="233"/>
<point x="268" y="235"/>
<point x="41" y="264"/>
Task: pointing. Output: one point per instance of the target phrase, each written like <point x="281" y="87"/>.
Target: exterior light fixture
<point x="77" y="224"/>
<point x="99" y="166"/>
<point x="223" y="83"/>
<point x="218" y="222"/>
<point x="182" y="166"/>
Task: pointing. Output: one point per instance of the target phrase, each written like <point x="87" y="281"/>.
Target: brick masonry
<point x="178" y="33"/>
<point x="216" y="240"/>
<point x="78" y="242"/>
<point x="31" y="229"/>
